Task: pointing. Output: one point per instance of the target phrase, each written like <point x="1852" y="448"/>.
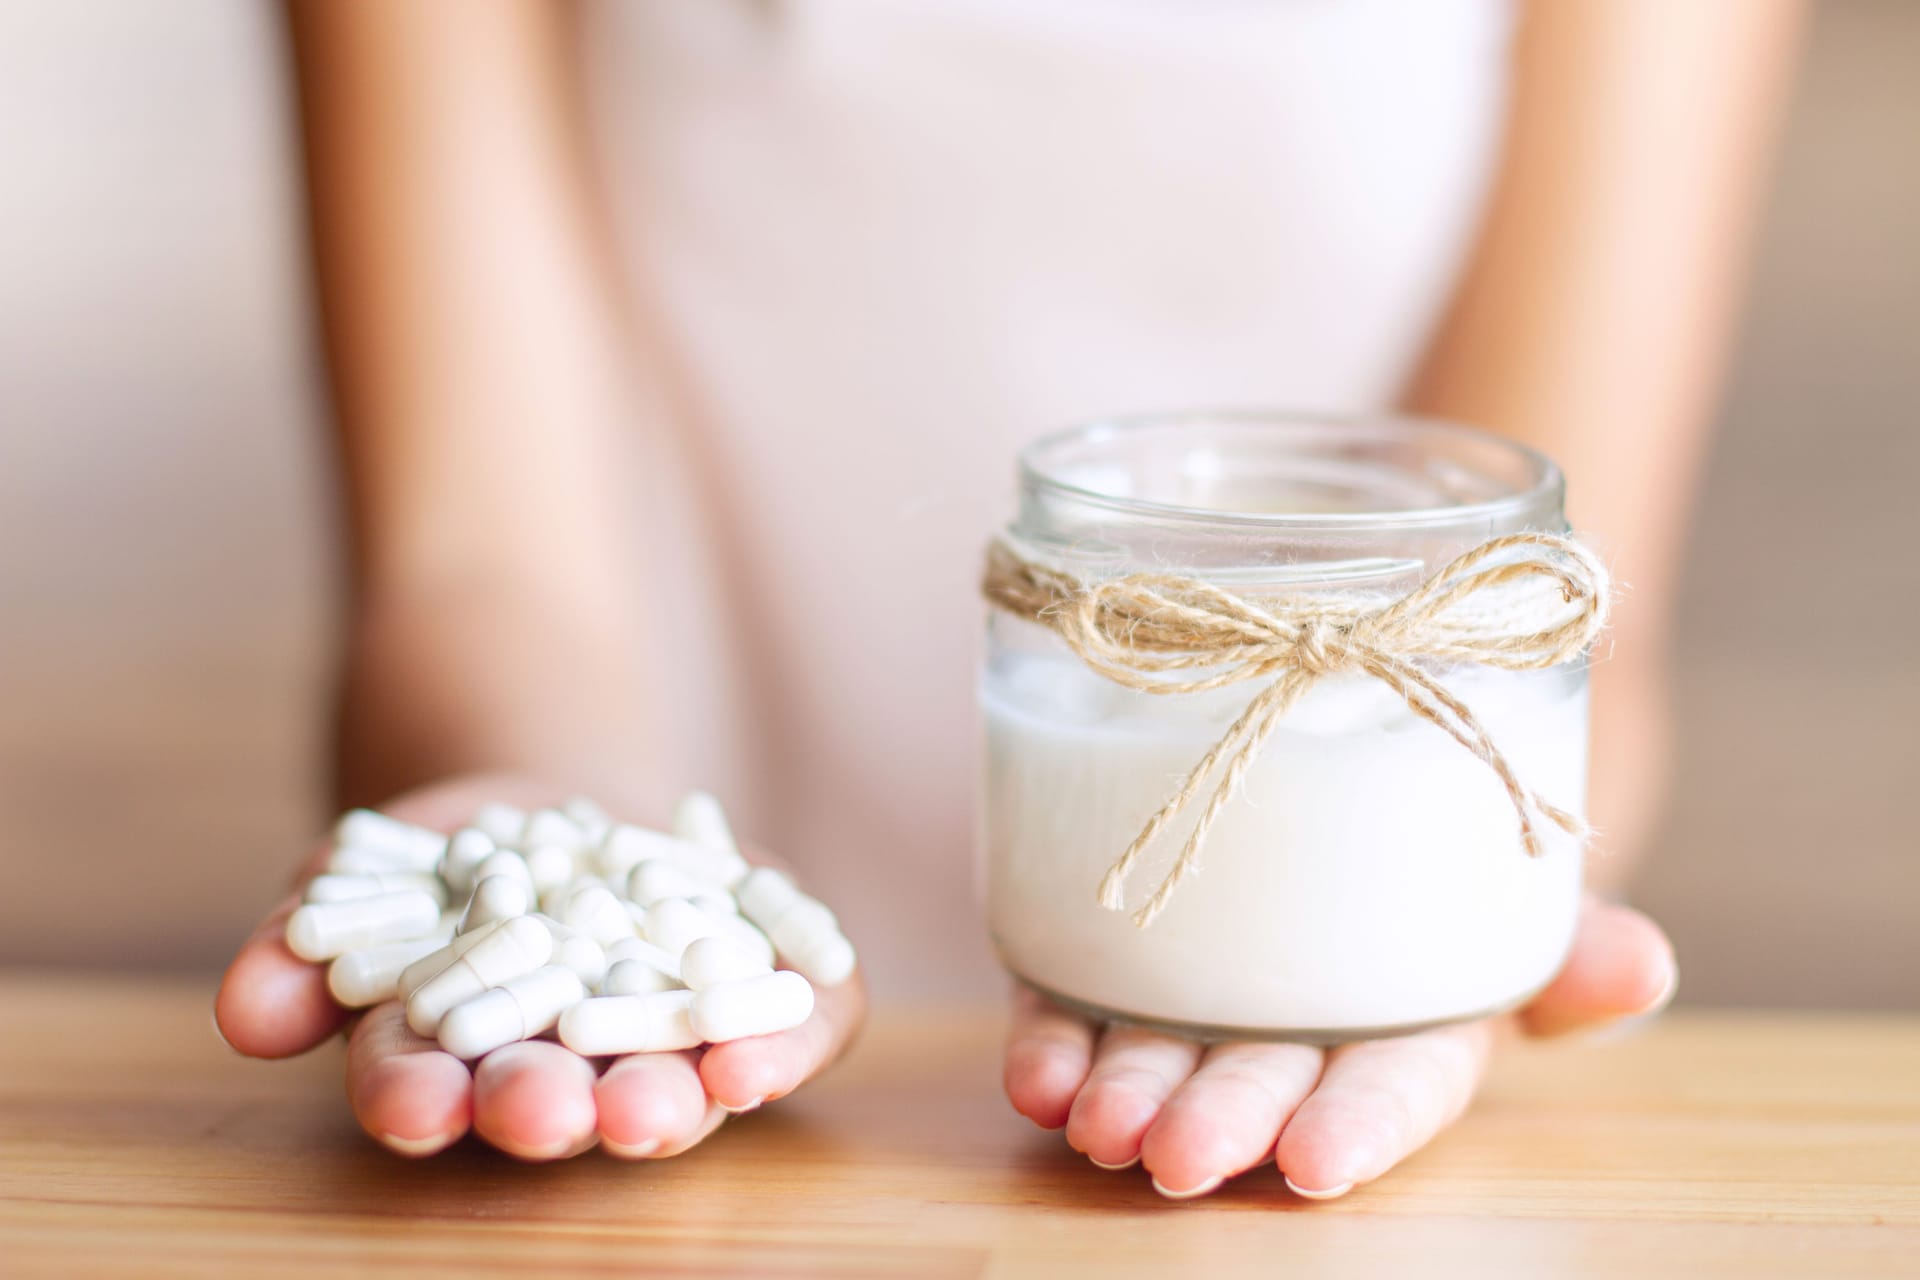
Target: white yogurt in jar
<point x="1367" y="877"/>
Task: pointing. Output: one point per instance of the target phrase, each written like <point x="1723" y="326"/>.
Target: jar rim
<point x="1544" y="484"/>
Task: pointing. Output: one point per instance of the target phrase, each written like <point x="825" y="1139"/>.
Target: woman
<point x="669" y="341"/>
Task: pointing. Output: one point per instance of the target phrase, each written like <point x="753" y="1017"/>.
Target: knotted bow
<point x="1521" y="601"/>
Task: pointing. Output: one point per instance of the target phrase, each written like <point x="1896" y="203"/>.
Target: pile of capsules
<point x="624" y="940"/>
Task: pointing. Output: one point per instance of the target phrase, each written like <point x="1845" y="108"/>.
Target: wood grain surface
<point x="132" y="1142"/>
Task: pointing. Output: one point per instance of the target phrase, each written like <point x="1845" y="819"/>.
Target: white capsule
<point x="334" y="887"/>
<point x="747" y="934"/>
<point x="656" y="958"/>
<point x="324" y="930"/>
<point x="619" y="851"/>
<point x="495" y="898"/>
<point x="351" y="861"/>
<point x="592" y="820"/>
<point x="597" y="913"/>
<point x="700" y="819"/>
<point x="466" y="850"/>
<point x="418" y="848"/>
<point x="672" y="923"/>
<point x="658" y="878"/>
<point x="550" y="866"/>
<point x="518" y="946"/>
<point x="716" y="902"/>
<point x="806" y="918"/>
<point x="502" y="822"/>
<point x="722" y="870"/>
<point x="634" y="978"/>
<point x="587" y="958"/>
<point x="372" y="974"/>
<point x="802" y="929"/>
<point x="415" y="975"/>
<point x="627" y="847"/>
<point x="654" y="1023"/>
<point x="554" y="901"/>
<point x="518" y="1009"/>
<point x="753" y="1007"/>
<point x="577" y="951"/>
<point x="504" y="862"/>
<point x="827" y="960"/>
<point x="715" y="961"/>
<point x="765" y="894"/>
<point x="550" y="826"/>
<point x="809" y="937"/>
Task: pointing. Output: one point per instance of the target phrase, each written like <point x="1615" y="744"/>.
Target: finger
<point x="406" y="1092"/>
<point x="534" y="1099"/>
<point x="1134" y="1072"/>
<point x="1621" y="965"/>
<point x="654" y="1105"/>
<point x="1378" y="1102"/>
<point x="742" y="1074"/>
<point x="1049" y="1053"/>
<point x="273" y="1004"/>
<point x="1228" y="1115"/>
<point x="716" y="1116"/>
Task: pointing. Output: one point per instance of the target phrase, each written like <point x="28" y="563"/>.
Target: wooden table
<point x="132" y="1142"/>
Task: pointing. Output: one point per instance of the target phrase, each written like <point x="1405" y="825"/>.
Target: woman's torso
<point x="879" y="244"/>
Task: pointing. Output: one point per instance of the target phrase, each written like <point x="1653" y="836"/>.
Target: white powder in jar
<point x="1368" y="875"/>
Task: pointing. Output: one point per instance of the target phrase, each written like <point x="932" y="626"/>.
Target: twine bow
<point x="1521" y="601"/>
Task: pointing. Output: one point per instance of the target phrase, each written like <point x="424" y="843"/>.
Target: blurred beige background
<point x="167" y="576"/>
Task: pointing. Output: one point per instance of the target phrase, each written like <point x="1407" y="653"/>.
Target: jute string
<point x="1522" y="601"/>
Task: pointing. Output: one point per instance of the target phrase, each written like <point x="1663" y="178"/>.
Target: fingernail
<point x="414" y="1146"/>
<point x="744" y="1107"/>
<point x="631" y="1151"/>
<point x="1330" y="1193"/>
<point x="1632" y="1024"/>
<point x="551" y="1150"/>
<point x="1190" y="1192"/>
<point x="1666" y="995"/>
<point x="1125" y="1164"/>
<point x="214" y="1014"/>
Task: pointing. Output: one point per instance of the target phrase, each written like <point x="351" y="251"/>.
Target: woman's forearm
<point x="1595" y="316"/>
<point x="476" y="347"/>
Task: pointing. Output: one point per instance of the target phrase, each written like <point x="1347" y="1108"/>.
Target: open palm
<point x="1196" y="1114"/>
<point x="533" y="1099"/>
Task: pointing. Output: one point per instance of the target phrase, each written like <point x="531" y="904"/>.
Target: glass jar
<point x="1368" y="877"/>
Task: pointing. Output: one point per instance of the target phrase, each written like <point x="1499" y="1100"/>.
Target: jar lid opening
<point x="1275" y="471"/>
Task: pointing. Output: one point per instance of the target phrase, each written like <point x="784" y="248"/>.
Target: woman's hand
<point x="533" y="1099"/>
<point x="1196" y="1115"/>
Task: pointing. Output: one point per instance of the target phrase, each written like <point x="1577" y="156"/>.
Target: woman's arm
<point x="1594" y="318"/>
<point x="477" y="347"/>
<point x="475" y="339"/>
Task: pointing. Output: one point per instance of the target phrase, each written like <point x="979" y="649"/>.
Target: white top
<point x="880" y="244"/>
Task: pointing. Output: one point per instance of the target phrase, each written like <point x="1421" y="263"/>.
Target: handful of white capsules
<point x="627" y="940"/>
